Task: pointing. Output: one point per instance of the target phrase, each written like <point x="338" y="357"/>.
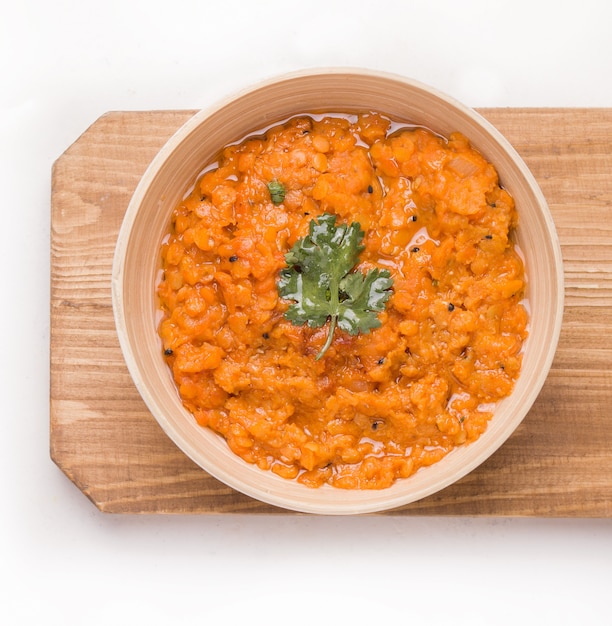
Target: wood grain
<point x="559" y="461"/>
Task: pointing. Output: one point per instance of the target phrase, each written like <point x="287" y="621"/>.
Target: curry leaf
<point x="277" y="191"/>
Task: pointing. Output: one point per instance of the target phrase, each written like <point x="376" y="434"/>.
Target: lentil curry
<point x="378" y="405"/>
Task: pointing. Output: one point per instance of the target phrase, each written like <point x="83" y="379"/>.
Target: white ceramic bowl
<point x="173" y="171"/>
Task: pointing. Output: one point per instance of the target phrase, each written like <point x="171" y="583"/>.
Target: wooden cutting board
<point x="558" y="462"/>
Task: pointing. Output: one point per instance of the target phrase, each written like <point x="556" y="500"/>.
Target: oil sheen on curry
<point x="342" y="299"/>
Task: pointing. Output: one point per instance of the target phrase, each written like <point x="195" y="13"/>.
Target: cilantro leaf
<point x="320" y="281"/>
<point x="365" y="292"/>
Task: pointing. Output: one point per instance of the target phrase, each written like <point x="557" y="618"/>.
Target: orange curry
<point x="377" y="406"/>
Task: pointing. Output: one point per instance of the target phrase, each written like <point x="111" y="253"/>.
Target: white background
<point x="65" y="63"/>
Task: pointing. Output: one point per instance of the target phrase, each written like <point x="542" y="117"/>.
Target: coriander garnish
<point x="320" y="281"/>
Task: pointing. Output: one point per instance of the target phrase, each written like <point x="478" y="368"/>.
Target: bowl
<point x="136" y="269"/>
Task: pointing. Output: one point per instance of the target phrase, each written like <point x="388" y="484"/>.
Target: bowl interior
<point x="170" y="175"/>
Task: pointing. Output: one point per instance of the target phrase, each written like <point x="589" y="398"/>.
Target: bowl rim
<point x="341" y="507"/>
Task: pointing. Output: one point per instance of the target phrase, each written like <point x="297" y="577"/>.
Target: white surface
<point x="65" y="63"/>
